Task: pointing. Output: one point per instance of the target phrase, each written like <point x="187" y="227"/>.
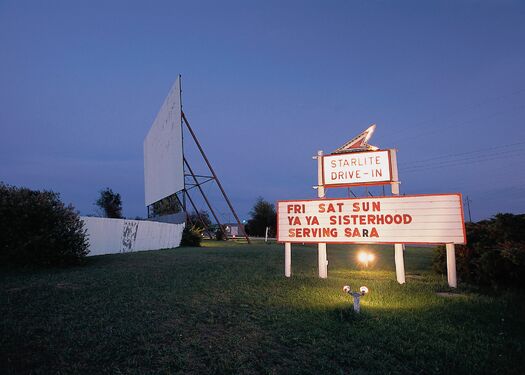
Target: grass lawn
<point x="227" y="308"/>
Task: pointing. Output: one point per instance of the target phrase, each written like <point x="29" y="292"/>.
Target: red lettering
<point x="312" y="220"/>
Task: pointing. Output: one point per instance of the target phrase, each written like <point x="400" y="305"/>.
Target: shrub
<point x="219" y="234"/>
<point x="494" y="254"/>
<point x="200" y="219"/>
<point x="191" y="236"/>
<point x="38" y="229"/>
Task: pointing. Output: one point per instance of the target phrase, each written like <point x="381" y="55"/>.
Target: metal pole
<point x="199" y="215"/>
<point x="186" y="212"/>
<point x="321" y="247"/>
<point x="468" y="206"/>
<point x="213" y="173"/>
<point x="206" y="199"/>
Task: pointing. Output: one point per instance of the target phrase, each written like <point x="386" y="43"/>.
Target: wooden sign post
<point x="321" y="247"/>
<point x="399" y="249"/>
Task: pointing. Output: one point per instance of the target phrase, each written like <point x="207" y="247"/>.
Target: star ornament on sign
<point x="359" y="143"/>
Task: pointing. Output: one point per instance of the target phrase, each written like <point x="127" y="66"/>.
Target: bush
<point x="195" y="218"/>
<point x="219" y="235"/>
<point x="191" y="236"/>
<point x="494" y="254"/>
<point x="38" y="229"/>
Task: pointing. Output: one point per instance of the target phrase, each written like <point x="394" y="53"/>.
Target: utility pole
<point x="467" y="201"/>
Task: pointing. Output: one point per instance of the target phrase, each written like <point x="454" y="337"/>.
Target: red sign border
<point x="387" y="182"/>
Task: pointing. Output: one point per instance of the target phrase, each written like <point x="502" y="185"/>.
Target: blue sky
<point x="265" y="85"/>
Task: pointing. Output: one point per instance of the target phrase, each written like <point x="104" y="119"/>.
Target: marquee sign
<point x="357" y="168"/>
<point x="421" y="219"/>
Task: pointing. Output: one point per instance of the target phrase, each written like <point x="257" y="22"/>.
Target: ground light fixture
<point x="356" y="295"/>
<point x="364" y="257"/>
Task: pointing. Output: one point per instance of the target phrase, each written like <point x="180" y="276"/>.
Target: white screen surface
<point x="163" y="155"/>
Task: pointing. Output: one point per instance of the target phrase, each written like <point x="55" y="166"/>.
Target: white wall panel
<point x="109" y="236"/>
<point x="163" y="156"/>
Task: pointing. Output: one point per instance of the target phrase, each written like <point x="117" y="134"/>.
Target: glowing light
<point x="363" y="290"/>
<point x="362" y="257"/>
<point x="365" y="258"/>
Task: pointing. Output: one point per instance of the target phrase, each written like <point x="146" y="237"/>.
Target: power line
<point x="493" y="156"/>
<point x="453" y="163"/>
<point x="464" y="153"/>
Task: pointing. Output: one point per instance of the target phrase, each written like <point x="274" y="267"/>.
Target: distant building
<point x="234" y="230"/>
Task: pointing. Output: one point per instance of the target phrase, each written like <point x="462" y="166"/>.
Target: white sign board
<point x="416" y="219"/>
<point x="357" y="168"/>
<point x="163" y="160"/>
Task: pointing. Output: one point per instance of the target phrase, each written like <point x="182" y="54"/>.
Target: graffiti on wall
<point x="129" y="235"/>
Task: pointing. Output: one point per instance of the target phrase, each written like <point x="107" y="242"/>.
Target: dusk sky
<point x="265" y="85"/>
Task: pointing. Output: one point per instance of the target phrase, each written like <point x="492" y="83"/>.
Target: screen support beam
<point x="206" y="199"/>
<point x="198" y="214"/>
<point x="185" y="120"/>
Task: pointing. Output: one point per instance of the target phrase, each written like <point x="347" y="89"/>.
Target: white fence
<point x="110" y="236"/>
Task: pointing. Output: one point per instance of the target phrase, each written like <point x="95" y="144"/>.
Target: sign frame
<point x="314" y="241"/>
<point x="390" y="181"/>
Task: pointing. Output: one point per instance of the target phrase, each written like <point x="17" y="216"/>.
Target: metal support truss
<point x="185" y="120"/>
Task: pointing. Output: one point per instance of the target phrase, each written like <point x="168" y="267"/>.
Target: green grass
<point x="227" y="308"/>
